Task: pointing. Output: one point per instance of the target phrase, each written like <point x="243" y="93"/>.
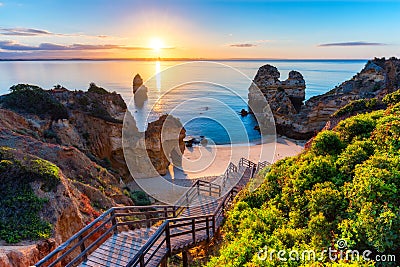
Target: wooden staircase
<point x="148" y="235"/>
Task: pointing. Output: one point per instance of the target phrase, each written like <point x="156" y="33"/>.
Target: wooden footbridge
<point x="148" y="235"/>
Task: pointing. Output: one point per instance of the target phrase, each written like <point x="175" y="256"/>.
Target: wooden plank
<point x="105" y="261"/>
<point x="102" y="262"/>
<point x="90" y="263"/>
<point x="111" y="257"/>
<point x="126" y="244"/>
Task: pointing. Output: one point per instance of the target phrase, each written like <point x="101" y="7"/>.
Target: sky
<point x="210" y="29"/>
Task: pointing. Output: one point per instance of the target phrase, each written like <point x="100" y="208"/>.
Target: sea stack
<point x="299" y="120"/>
<point x="136" y="83"/>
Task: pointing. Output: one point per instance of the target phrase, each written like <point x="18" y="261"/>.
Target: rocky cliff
<point x="37" y="201"/>
<point x="301" y="121"/>
<point x="81" y="134"/>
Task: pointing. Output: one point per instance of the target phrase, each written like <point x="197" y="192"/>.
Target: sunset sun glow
<point x="156" y="44"/>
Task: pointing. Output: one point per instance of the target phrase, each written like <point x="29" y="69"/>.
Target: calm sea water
<point x="206" y="96"/>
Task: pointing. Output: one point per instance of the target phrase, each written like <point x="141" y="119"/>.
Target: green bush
<point x="327" y="142"/>
<point x="357" y="106"/>
<point x="357" y="127"/>
<point x="392" y="99"/>
<point x="388" y="135"/>
<point x="19" y="206"/>
<point x="93" y="88"/>
<point x="46" y="172"/>
<point x="140" y="198"/>
<point x="32" y="99"/>
<point x="346" y="186"/>
<point x="373" y="219"/>
<point x="354" y="154"/>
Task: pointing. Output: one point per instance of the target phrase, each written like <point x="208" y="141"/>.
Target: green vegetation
<point x="358" y="106"/>
<point x="93" y="105"/>
<point x="140" y="198"/>
<point x="93" y="88"/>
<point x="392" y="98"/>
<point x="346" y="186"/>
<point x="19" y="206"/>
<point x="32" y="99"/>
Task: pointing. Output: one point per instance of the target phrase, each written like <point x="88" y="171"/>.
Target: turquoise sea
<point x="206" y="96"/>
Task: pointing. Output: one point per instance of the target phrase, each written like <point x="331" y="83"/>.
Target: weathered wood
<point x="184" y="225"/>
<point x="185" y="262"/>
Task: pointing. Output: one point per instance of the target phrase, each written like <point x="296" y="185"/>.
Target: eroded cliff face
<point x="94" y="126"/>
<point x="164" y="143"/>
<point x="66" y="208"/>
<point x="301" y="121"/>
<point x="159" y="146"/>
<point x="90" y="136"/>
<point x="87" y="146"/>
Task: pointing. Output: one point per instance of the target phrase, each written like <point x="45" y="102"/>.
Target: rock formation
<point x="66" y="208"/>
<point x="136" y="83"/>
<point x="86" y="144"/>
<point x="164" y="143"/>
<point x="267" y="80"/>
<point x="301" y="121"/>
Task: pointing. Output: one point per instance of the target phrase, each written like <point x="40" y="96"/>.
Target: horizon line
<point x="183" y="59"/>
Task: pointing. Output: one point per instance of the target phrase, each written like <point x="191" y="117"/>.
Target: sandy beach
<point x="213" y="160"/>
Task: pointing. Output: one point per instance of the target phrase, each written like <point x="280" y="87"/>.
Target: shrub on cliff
<point x="393" y="98"/>
<point x="19" y="206"/>
<point x="93" y="88"/>
<point x="140" y="198"/>
<point x="358" y="106"/>
<point x="327" y="142"/>
<point x="32" y="99"/>
<point x="346" y="186"/>
<point x="358" y="127"/>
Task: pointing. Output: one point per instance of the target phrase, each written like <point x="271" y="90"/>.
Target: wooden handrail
<point x="185" y="199"/>
<point x="112" y="218"/>
<point x="231" y="168"/>
<point x="71" y="239"/>
<point x="173" y="224"/>
<point x="139" y="257"/>
<point x="262" y="165"/>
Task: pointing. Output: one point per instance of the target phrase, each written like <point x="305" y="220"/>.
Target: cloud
<point x="1" y="4"/>
<point x="14" y="46"/>
<point x="24" y="32"/>
<point x="40" y="32"/>
<point x="360" y="43"/>
<point x="243" y="45"/>
<point x="249" y="43"/>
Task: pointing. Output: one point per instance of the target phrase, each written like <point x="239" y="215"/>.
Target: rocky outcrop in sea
<point x="299" y="120"/>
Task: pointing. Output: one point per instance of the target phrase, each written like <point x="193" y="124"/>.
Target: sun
<point x="156" y="44"/>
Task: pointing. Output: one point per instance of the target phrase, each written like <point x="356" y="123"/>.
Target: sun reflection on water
<point x="158" y="75"/>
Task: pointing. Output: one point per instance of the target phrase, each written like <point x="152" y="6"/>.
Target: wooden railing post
<point x="194" y="230"/>
<point x="114" y="222"/>
<point x="213" y="224"/>
<point x="148" y="224"/>
<point x="142" y="260"/>
<point x="165" y="212"/>
<point x="208" y="229"/>
<point x="168" y="239"/>
<point x="83" y="248"/>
